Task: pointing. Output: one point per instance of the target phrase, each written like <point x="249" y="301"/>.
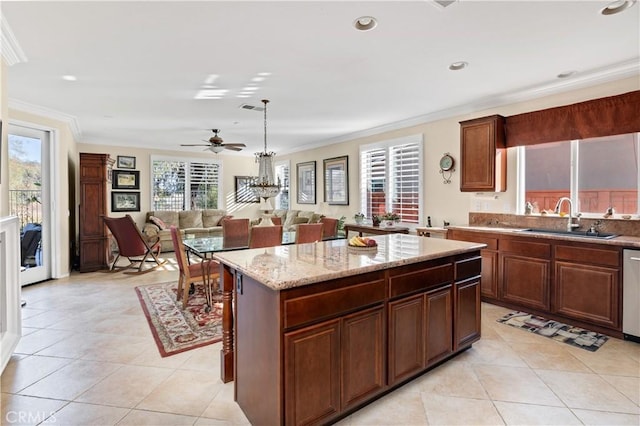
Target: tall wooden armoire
<point x="95" y="170"/>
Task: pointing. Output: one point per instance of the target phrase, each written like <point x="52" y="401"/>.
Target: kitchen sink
<point x="584" y="234"/>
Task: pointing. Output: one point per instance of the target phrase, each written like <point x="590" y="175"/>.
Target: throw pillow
<point x="223" y="218"/>
<point x="158" y="222"/>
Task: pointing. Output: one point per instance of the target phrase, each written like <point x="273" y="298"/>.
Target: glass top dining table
<point x="204" y="246"/>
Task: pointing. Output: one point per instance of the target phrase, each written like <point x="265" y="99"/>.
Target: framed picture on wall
<point x="124" y="179"/>
<point x="306" y="175"/>
<point x="125" y="201"/>
<point x="244" y="194"/>
<point x="126" y="162"/>
<point x="336" y="180"/>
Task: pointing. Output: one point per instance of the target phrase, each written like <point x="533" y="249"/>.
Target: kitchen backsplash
<point x="630" y="227"/>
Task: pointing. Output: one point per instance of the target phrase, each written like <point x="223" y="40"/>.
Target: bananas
<point x="362" y="242"/>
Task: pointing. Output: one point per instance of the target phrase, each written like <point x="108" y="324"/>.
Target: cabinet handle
<point x="637" y="259"/>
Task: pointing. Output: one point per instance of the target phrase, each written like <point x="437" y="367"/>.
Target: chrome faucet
<point x="570" y="224"/>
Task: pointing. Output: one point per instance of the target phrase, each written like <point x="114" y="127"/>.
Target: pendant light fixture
<point x="265" y="186"/>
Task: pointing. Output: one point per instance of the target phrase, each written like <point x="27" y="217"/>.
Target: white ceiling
<point x="140" y="64"/>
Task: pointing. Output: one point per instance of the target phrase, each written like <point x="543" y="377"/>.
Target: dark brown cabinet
<point x="406" y="330"/>
<point x="439" y="324"/>
<point x="467" y="319"/>
<point x="483" y="156"/>
<point x="578" y="283"/>
<point x="92" y="239"/>
<point x="588" y="290"/>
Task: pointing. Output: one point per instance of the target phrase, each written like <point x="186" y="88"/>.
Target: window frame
<point x="188" y="161"/>
<point x="388" y="146"/>
<point x="574" y="189"/>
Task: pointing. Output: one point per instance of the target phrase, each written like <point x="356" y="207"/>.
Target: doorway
<point x="30" y="199"/>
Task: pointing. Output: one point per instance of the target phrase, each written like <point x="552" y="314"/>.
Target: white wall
<point x="4" y="149"/>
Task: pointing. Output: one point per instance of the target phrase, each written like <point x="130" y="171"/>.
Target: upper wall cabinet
<point x="483" y="155"/>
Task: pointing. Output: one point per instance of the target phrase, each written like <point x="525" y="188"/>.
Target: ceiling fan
<point x="216" y="144"/>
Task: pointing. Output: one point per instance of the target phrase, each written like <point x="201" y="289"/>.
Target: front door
<point x="29" y="199"/>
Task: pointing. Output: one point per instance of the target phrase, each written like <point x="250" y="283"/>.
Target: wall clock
<point x="446" y="167"/>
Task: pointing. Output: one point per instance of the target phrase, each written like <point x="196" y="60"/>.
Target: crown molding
<point x="70" y="120"/>
<point x="615" y="72"/>
<point x="12" y="53"/>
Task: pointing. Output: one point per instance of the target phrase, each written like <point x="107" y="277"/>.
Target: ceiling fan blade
<point x="235" y="144"/>
<point x="232" y="148"/>
<point x="183" y="144"/>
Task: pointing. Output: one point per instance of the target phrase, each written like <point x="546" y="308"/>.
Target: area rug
<point x="565" y="333"/>
<point x="176" y="330"/>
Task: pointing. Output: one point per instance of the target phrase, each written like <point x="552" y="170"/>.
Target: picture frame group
<point x="126" y="162"/>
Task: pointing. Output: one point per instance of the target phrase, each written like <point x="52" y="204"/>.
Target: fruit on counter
<point x="362" y="242"/>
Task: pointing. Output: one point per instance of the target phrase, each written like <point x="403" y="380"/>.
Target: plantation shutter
<point x="184" y="184"/>
<point x="168" y="184"/>
<point x="390" y="178"/>
<point x="405" y="181"/>
<point x="204" y="185"/>
<point x="373" y="181"/>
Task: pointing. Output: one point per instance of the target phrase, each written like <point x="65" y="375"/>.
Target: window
<point x="185" y="184"/>
<point x="390" y="178"/>
<point x="282" y="176"/>
<point x="595" y="173"/>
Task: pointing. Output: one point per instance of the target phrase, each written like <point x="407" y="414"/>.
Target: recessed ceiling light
<point x="365" y="23"/>
<point x="257" y="79"/>
<point x="457" y="66"/>
<point x="566" y="74"/>
<point x="617" y="7"/>
<point x="243" y="96"/>
<point x="69" y="77"/>
<point x="210" y="94"/>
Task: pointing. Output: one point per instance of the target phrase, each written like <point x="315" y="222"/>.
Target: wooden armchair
<point x="235" y="233"/>
<point x="133" y="245"/>
<point x="309" y="232"/>
<point x="265" y="236"/>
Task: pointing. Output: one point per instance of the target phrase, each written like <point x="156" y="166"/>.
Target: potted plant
<point x="389" y="219"/>
<point x="359" y="217"/>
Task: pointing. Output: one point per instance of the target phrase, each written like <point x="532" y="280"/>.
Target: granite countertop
<point x="620" y="241"/>
<point x="295" y="265"/>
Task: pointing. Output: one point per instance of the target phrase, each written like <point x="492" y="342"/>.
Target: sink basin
<point x="584" y="234"/>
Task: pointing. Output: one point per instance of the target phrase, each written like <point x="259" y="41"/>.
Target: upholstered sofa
<point x="200" y="223"/>
<point x="291" y="218"/>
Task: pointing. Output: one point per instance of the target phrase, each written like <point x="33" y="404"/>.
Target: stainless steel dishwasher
<point x="631" y="295"/>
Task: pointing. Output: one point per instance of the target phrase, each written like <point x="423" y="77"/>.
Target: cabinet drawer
<point x="586" y="255"/>
<point x="410" y="280"/>
<point x="318" y="306"/>
<point x="467" y="268"/>
<point x="474" y="237"/>
<point x="526" y="248"/>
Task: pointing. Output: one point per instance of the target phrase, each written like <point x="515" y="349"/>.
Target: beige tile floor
<point x="87" y="358"/>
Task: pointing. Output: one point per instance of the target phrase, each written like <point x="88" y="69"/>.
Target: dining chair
<point x="235" y="233"/>
<point x="276" y="220"/>
<point x="205" y="272"/>
<point x="132" y="244"/>
<point x="330" y="227"/>
<point x="309" y="232"/>
<point x="265" y="236"/>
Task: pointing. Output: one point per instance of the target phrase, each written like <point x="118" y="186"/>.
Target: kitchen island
<point x="321" y="329"/>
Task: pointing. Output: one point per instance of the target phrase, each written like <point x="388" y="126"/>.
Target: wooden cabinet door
<point x="467" y="315"/>
<point x="489" y="278"/>
<point x="438" y="325"/>
<point x="525" y="281"/>
<point x="312" y="373"/>
<point x="482" y="155"/>
<point x="406" y="337"/>
<point x="588" y="293"/>
<point x="363" y="356"/>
